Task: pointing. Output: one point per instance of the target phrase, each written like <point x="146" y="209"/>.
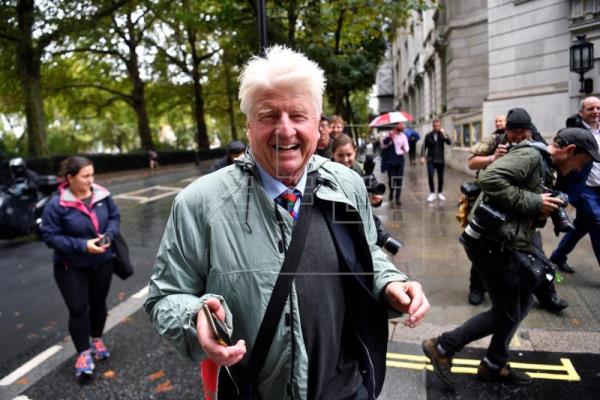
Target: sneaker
<point x="431" y="197"/>
<point x="84" y="364"/>
<point x="99" y="350"/>
<point x="441" y="196"/>
<point x="441" y="364"/>
<point x="475" y="297"/>
<point x="503" y="375"/>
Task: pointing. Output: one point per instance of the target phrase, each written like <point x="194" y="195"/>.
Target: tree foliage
<point x="108" y="75"/>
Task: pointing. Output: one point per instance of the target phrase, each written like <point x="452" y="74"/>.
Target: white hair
<point x="284" y="69"/>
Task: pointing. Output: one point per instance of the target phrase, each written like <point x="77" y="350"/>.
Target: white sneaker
<point x="431" y="197"/>
<point x="441" y="196"/>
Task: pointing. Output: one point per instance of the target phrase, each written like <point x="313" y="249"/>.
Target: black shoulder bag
<point x="122" y="264"/>
<point x="243" y="385"/>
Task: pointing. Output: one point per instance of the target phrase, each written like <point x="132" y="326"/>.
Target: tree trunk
<point x="28" y="66"/>
<point x="139" y="106"/>
<point x="201" y="132"/>
<point x="230" y="102"/>
<point x="139" y="98"/>
<point x="292" y="20"/>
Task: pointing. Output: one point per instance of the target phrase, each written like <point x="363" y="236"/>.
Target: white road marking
<point x="141" y="198"/>
<point x="29" y="365"/>
<point x="142" y="293"/>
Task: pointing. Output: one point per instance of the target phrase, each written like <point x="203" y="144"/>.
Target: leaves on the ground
<point x="110" y="374"/>
<point x="23" y="381"/>
<point x="157" y="375"/>
<point x="164" y="387"/>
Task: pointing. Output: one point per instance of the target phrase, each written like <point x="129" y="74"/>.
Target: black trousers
<point x="511" y="302"/>
<point x="439" y="168"/>
<point x="396" y="178"/>
<point x="84" y="291"/>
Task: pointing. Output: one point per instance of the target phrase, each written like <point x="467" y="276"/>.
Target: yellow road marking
<point x="565" y="370"/>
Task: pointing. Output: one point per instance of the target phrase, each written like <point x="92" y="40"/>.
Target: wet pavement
<point x="144" y="367"/>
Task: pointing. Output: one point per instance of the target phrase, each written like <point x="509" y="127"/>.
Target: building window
<point x="580" y="8"/>
<point x="467" y="134"/>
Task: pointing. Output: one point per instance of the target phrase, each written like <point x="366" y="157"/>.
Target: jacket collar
<point x="327" y="187"/>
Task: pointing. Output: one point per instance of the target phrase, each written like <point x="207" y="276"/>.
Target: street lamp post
<point x="582" y="60"/>
<point x="262" y="25"/>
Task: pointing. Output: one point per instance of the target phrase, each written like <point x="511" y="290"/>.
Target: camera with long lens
<point x="485" y="218"/>
<point x="560" y="218"/>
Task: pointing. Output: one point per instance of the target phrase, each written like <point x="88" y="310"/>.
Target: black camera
<point x="471" y="190"/>
<point x="560" y="218"/>
<point x="386" y="241"/>
<point x="485" y="218"/>
<point x="373" y="186"/>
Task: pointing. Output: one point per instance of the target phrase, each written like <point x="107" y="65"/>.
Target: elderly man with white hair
<point x="319" y="329"/>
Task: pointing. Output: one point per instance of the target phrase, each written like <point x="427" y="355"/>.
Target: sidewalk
<point x="142" y="366"/>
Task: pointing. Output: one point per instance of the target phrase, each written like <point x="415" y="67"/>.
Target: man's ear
<point x="570" y="149"/>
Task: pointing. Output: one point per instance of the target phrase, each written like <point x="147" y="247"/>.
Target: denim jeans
<point x="510" y="303"/>
<point x="587" y="220"/>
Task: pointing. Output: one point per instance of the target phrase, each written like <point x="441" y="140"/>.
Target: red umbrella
<point x="391" y="118"/>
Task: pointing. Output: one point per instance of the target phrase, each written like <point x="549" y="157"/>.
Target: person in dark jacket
<point x="393" y="148"/>
<point x="433" y="149"/>
<point x="234" y="150"/>
<point x="583" y="189"/>
<point x="513" y="185"/>
<point x="413" y="139"/>
<point x="518" y="128"/>
<point x="79" y="223"/>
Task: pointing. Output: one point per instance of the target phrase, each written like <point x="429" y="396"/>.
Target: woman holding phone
<point x="79" y="224"/>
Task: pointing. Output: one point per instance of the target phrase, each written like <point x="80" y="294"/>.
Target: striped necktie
<point x="288" y="200"/>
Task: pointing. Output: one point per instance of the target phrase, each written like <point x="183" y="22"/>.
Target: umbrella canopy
<point x="391" y="118"/>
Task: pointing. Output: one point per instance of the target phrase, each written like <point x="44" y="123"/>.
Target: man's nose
<point x="284" y="125"/>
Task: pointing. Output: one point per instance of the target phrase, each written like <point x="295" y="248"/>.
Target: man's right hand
<point x="549" y="205"/>
<point x="500" y="151"/>
<point x="221" y="355"/>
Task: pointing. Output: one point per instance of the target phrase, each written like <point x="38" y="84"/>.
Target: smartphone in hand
<point x="217" y="327"/>
<point x="104" y="240"/>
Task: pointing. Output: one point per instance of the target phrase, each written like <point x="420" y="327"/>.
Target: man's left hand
<point x="408" y="297"/>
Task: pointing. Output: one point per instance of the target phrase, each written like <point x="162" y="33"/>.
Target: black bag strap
<point x="283" y="285"/>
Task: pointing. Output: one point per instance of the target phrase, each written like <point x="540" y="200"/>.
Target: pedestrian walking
<point x="307" y="313"/>
<point x="584" y="191"/>
<point x="432" y="150"/>
<point x="499" y="241"/>
<point x="393" y="148"/>
<point x="413" y="139"/>
<point x="152" y="160"/>
<point x="79" y="224"/>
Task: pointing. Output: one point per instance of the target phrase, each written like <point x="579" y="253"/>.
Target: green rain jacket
<point x="221" y="241"/>
<point x="513" y="184"/>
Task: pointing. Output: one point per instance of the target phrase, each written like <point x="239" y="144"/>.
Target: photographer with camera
<point x="344" y="152"/>
<point x="498" y="239"/>
<point x="509" y="131"/>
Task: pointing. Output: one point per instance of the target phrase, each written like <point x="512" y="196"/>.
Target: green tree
<point x="30" y="29"/>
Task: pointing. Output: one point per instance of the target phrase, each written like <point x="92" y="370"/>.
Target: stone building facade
<point x="467" y="60"/>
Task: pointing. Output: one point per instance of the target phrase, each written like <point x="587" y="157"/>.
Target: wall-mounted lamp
<point x="582" y="60"/>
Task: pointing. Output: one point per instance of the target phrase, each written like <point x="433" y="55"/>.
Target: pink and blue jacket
<point x="67" y="225"/>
